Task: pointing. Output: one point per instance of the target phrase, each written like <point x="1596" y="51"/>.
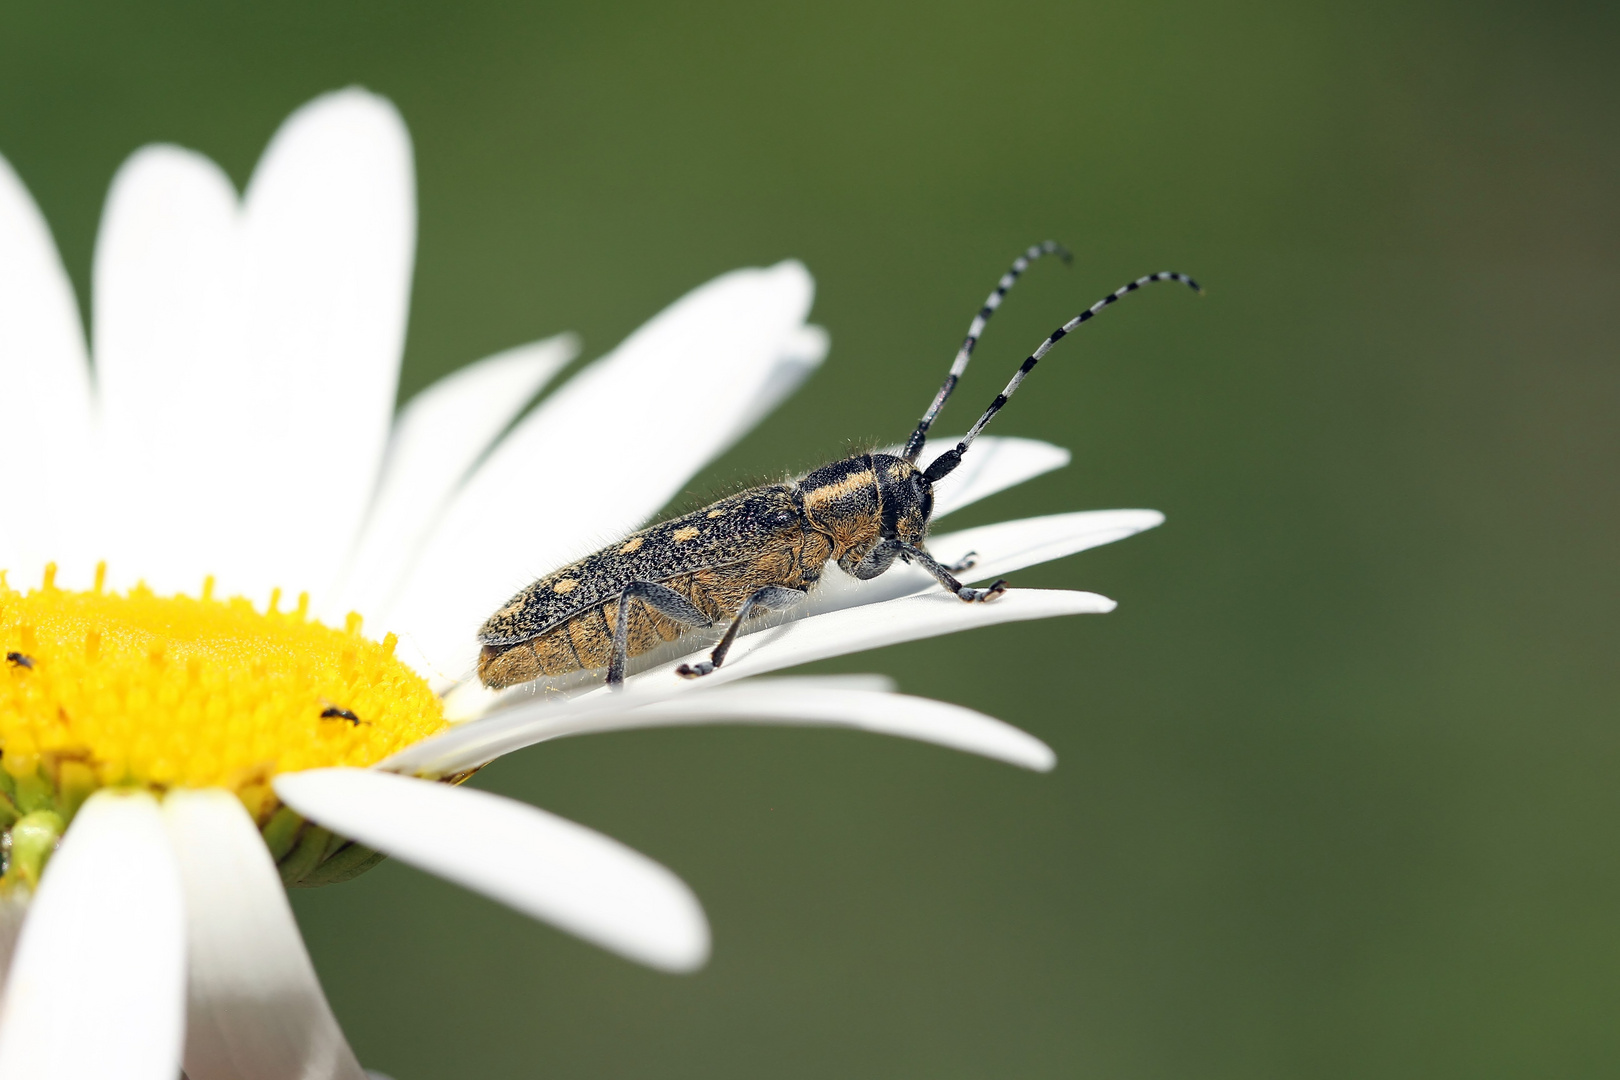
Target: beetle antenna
<point x="914" y="444"/>
<point x="951" y="458"/>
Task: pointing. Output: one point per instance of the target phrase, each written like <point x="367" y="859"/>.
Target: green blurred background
<point x="1337" y="785"/>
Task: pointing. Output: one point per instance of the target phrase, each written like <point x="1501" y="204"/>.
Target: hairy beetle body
<point x="779" y="535"/>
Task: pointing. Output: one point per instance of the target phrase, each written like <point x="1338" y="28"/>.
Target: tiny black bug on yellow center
<point x="337" y="712"/>
<point x="760" y="550"/>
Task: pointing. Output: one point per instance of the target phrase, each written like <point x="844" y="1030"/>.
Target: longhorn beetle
<point x="759" y="550"/>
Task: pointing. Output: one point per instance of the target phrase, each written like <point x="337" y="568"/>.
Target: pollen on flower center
<point x="134" y="688"/>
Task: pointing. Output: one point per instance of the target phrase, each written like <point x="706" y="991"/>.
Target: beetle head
<point x="906" y="499"/>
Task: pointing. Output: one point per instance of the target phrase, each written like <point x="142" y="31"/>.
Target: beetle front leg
<point x="874" y="562"/>
<point x="943" y="575"/>
<point x="770" y="598"/>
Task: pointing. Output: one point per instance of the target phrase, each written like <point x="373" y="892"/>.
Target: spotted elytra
<point x="760" y="550"/>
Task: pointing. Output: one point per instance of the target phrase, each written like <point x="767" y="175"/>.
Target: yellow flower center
<point x="105" y="688"/>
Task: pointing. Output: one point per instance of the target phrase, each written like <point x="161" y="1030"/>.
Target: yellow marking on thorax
<point x="632" y="544"/>
<point x="683" y="535"/>
<point x="566" y="585"/>
<point x="849" y="485"/>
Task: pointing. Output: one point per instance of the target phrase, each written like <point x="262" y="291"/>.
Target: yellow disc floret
<point x="174" y="691"/>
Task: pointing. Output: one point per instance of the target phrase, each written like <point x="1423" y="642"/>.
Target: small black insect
<point x="17" y="659"/>
<point x="760" y="550"/>
<point x="332" y="712"/>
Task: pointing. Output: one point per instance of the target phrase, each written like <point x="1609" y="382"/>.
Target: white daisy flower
<point x="173" y="753"/>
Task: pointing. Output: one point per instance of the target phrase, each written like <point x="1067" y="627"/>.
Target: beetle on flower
<point x="240" y="594"/>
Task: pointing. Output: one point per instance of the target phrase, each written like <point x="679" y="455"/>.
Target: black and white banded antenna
<point x="950" y="459"/>
<point x="914" y="444"/>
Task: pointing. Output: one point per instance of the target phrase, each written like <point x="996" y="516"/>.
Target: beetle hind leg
<point x="770" y="598"/>
<point x="662" y="599"/>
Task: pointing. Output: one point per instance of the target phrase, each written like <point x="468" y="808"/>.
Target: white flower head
<point x="240" y="595"/>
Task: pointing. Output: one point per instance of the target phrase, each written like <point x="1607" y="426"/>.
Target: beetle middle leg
<point x="662" y="599"/>
<point x="770" y="598"/>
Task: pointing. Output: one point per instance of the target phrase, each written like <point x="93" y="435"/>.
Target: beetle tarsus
<point x="982" y="596"/>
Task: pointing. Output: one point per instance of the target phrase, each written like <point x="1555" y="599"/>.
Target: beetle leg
<point x="770" y="598"/>
<point x="876" y="561"/>
<point x="966" y="562"/>
<point x="662" y="599"/>
<point x="943" y="575"/>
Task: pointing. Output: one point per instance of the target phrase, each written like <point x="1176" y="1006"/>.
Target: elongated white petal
<point x="97" y="986"/>
<point x="255" y="1006"/>
<point x="330" y="239"/>
<point x="800" y="702"/>
<point x="166" y="327"/>
<point x="438" y="437"/>
<point x="909" y="618"/>
<point x="497" y="722"/>
<point x="45" y="400"/>
<point x="1012" y="545"/>
<point x="801" y="355"/>
<point x="540" y="864"/>
<point x="248" y="353"/>
<point x="797" y="642"/>
<point x="1001" y="549"/>
<point x="605" y="451"/>
<point x="993" y="464"/>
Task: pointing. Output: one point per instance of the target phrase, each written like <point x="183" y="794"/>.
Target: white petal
<point x="909" y="618"/>
<point x="255" y="1009"/>
<point x="167" y="333"/>
<point x="802" y="354"/>
<point x="97" y="986"/>
<point x="538" y="863"/>
<point x="802" y="702"/>
<point x="330" y="231"/>
<point x="248" y="355"/>
<point x="991" y="465"/>
<point x="1002" y="548"/>
<point x="605" y="451"/>
<point x="796" y="642"/>
<point x="45" y="404"/>
<point x="438" y="437"/>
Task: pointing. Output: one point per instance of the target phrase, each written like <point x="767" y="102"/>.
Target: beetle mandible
<point x="759" y="550"/>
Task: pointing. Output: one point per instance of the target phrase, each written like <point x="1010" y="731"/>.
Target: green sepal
<point x="33" y="839"/>
<point x="349" y="861"/>
<point x="8" y="811"/>
<point x="34" y="792"/>
<point x="305" y="855"/>
<point x="281" y="832"/>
